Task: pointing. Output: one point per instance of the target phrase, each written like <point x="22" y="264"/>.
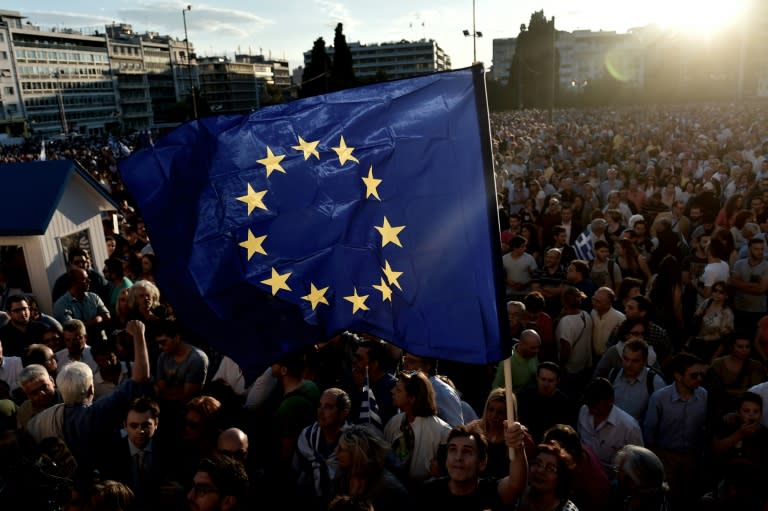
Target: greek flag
<point x="583" y="246"/>
<point x="369" y="408"/>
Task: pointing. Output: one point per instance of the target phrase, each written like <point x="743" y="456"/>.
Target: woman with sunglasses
<point x="712" y="321"/>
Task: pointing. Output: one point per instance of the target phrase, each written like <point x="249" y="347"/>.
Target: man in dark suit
<point x="139" y="460"/>
<point x="572" y="228"/>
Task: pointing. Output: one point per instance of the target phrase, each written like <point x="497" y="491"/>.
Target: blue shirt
<point x="68" y="307"/>
<point x="673" y="423"/>
<point x="631" y="395"/>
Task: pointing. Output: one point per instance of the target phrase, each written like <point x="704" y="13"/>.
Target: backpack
<point x="611" y="266"/>
<point x="648" y="380"/>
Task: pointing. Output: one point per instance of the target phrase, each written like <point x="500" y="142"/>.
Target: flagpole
<point x="508" y="394"/>
<point x="368" y="393"/>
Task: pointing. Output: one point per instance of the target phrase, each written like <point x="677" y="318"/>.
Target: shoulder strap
<point x="613" y="374"/>
<point x="583" y="327"/>
<point x="652" y="373"/>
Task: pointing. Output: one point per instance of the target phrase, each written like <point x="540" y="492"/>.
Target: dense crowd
<point x="632" y="244"/>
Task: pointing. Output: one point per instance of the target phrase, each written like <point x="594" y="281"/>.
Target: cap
<point x="634" y="219"/>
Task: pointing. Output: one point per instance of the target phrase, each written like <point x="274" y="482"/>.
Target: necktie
<point x="139" y="462"/>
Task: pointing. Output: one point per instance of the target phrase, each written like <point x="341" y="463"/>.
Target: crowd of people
<point x="632" y="244"/>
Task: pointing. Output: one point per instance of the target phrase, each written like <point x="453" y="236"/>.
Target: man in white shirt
<point x="77" y="349"/>
<point x="716" y="270"/>
<point x="605" y="319"/>
<point x="604" y="427"/>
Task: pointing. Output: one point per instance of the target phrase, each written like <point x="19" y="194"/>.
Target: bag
<point x="648" y="379"/>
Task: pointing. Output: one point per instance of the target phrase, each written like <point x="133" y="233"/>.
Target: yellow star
<point x="344" y="152"/>
<point x="371" y="184"/>
<point x="277" y="281"/>
<point x="316" y="296"/>
<point x="253" y="199"/>
<point x="253" y="244"/>
<point x="386" y="291"/>
<point x="358" y="302"/>
<point x="272" y="162"/>
<point x="309" y="148"/>
<point x="389" y="233"/>
<point x="392" y="275"/>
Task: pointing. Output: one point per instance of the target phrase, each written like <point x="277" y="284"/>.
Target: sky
<point x="285" y="29"/>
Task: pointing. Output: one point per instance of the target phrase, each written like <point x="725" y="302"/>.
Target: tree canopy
<point x="325" y="75"/>
<point x="317" y="73"/>
<point x="534" y="75"/>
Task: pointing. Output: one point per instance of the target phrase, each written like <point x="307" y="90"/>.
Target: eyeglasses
<point x="20" y="309"/>
<point x="697" y="374"/>
<point x="546" y="467"/>
<point x="203" y="489"/>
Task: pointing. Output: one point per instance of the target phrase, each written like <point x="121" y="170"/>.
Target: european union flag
<point x="370" y="209"/>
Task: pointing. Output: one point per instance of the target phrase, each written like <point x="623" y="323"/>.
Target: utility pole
<point x="475" y="34"/>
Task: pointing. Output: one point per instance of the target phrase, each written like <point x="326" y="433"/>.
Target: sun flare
<point x="701" y="18"/>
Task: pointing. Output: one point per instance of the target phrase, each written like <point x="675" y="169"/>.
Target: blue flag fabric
<point x="370" y="209"/>
<point x="583" y="246"/>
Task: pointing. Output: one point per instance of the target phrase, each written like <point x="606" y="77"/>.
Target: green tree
<point x="343" y="73"/>
<point x="534" y="75"/>
<point x="316" y="77"/>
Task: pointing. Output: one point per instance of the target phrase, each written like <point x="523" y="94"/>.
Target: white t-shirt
<point x="576" y="329"/>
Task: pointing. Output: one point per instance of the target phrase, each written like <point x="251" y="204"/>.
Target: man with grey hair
<point x="749" y="231"/>
<point x="605" y="319"/>
<point x="83" y="424"/>
<point x="38" y="385"/>
<point x="525" y="361"/>
<point x="314" y="460"/>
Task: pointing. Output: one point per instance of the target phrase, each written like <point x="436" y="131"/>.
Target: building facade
<point x="232" y="86"/>
<point x="64" y="80"/>
<point x="394" y="60"/>
<point x="503" y="52"/>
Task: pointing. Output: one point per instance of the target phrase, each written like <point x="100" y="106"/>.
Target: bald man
<point x="233" y="442"/>
<point x="525" y="361"/>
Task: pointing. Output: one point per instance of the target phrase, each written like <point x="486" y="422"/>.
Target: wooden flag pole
<point x="510" y="403"/>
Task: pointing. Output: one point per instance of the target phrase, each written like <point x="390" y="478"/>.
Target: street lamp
<point x="189" y="65"/>
<point x="475" y="34"/>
